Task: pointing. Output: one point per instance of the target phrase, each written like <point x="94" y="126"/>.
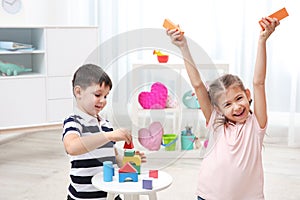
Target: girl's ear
<point x="248" y="94"/>
<point x="218" y="110"/>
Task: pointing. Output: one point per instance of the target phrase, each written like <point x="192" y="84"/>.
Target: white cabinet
<point x="22" y="101"/>
<point x="67" y="49"/>
<point x="43" y="95"/>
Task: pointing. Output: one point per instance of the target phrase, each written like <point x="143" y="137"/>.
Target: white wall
<point x="52" y="13"/>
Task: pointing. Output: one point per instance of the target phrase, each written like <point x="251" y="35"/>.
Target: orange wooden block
<point x="168" y="24"/>
<point x="280" y="14"/>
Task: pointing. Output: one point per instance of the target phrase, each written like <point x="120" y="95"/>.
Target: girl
<point x="233" y="167"/>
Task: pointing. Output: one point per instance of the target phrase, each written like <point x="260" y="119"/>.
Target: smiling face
<point x="234" y="104"/>
<point x="92" y="99"/>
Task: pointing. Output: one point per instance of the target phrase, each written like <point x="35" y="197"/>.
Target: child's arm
<point x="260" y="106"/>
<point x="200" y="89"/>
<point x="76" y="145"/>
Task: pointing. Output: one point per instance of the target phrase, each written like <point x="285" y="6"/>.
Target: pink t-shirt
<point x="232" y="168"/>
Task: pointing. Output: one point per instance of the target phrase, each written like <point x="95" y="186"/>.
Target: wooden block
<point x="280" y="14"/>
<point x="153" y="173"/>
<point x="147" y="184"/>
<point x="168" y="24"/>
<point x="129" y="152"/>
<point x="128" y="146"/>
<point x="127" y="168"/>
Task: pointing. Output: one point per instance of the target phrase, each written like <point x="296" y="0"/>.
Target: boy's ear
<point x="77" y="91"/>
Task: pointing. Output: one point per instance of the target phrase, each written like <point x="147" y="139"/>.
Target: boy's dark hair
<point x="88" y="74"/>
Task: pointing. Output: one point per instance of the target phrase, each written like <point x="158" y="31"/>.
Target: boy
<point x="88" y="138"/>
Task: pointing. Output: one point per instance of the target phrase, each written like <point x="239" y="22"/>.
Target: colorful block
<point x="280" y="14"/>
<point x="129" y="152"/>
<point x="168" y="24"/>
<point x="153" y="173"/>
<point x="128" y="146"/>
<point x="127" y="168"/>
<point x="123" y="177"/>
<point x="147" y="184"/>
<point x="135" y="161"/>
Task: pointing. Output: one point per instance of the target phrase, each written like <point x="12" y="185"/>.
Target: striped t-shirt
<point x="85" y="166"/>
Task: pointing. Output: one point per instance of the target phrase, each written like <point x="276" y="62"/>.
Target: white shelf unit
<point x="43" y="96"/>
<point x="174" y="120"/>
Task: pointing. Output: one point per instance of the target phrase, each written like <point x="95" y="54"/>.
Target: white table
<point x="132" y="190"/>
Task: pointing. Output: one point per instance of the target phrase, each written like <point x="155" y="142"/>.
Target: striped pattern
<point x="85" y="166"/>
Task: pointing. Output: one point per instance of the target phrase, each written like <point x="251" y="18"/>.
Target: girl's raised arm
<point x="193" y="73"/>
<point x="260" y="105"/>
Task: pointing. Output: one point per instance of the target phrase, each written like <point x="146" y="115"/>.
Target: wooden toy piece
<point x="129" y="152"/>
<point x="153" y="173"/>
<point x="280" y="14"/>
<point x="135" y="161"/>
<point x="108" y="171"/>
<point x="123" y="177"/>
<point x="128" y="146"/>
<point x="127" y="168"/>
<point x="128" y="172"/>
<point x="147" y="184"/>
<point x="168" y="24"/>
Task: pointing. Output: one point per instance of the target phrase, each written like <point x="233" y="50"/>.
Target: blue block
<point x="133" y="176"/>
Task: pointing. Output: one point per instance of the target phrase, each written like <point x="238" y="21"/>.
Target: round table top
<point x="163" y="181"/>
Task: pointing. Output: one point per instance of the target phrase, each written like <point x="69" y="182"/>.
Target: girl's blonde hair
<point x="218" y="87"/>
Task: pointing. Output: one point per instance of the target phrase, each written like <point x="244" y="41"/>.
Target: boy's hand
<point x="120" y="134"/>
<point x="142" y="155"/>
<point x="176" y="37"/>
<point x="269" y="24"/>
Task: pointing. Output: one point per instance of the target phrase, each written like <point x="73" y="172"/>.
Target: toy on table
<point x="108" y="171"/>
<point x="151" y="137"/>
<point x="153" y="173"/>
<point x="128" y="172"/>
<point x="162" y="58"/>
<point x="147" y="184"/>
<point x="9" y="69"/>
<point x="168" y="24"/>
<point x="280" y="14"/>
<point x="133" y="159"/>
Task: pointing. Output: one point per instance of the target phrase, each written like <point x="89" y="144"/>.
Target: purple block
<point x="147" y="184"/>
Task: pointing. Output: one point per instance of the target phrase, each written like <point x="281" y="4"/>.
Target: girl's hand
<point x="269" y="24"/>
<point x="176" y="38"/>
<point x="142" y="155"/>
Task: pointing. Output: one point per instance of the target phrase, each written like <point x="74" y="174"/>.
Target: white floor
<point x="35" y="166"/>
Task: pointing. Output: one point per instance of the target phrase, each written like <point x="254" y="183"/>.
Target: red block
<point x="153" y="173"/>
<point x="128" y="146"/>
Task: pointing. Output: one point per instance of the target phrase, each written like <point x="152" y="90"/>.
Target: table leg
<point x="152" y="196"/>
<point x="131" y="197"/>
<point x="110" y="196"/>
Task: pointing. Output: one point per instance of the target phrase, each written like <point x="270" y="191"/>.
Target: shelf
<point x="5" y="52"/>
<point x="23" y="75"/>
<point x="53" y="58"/>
